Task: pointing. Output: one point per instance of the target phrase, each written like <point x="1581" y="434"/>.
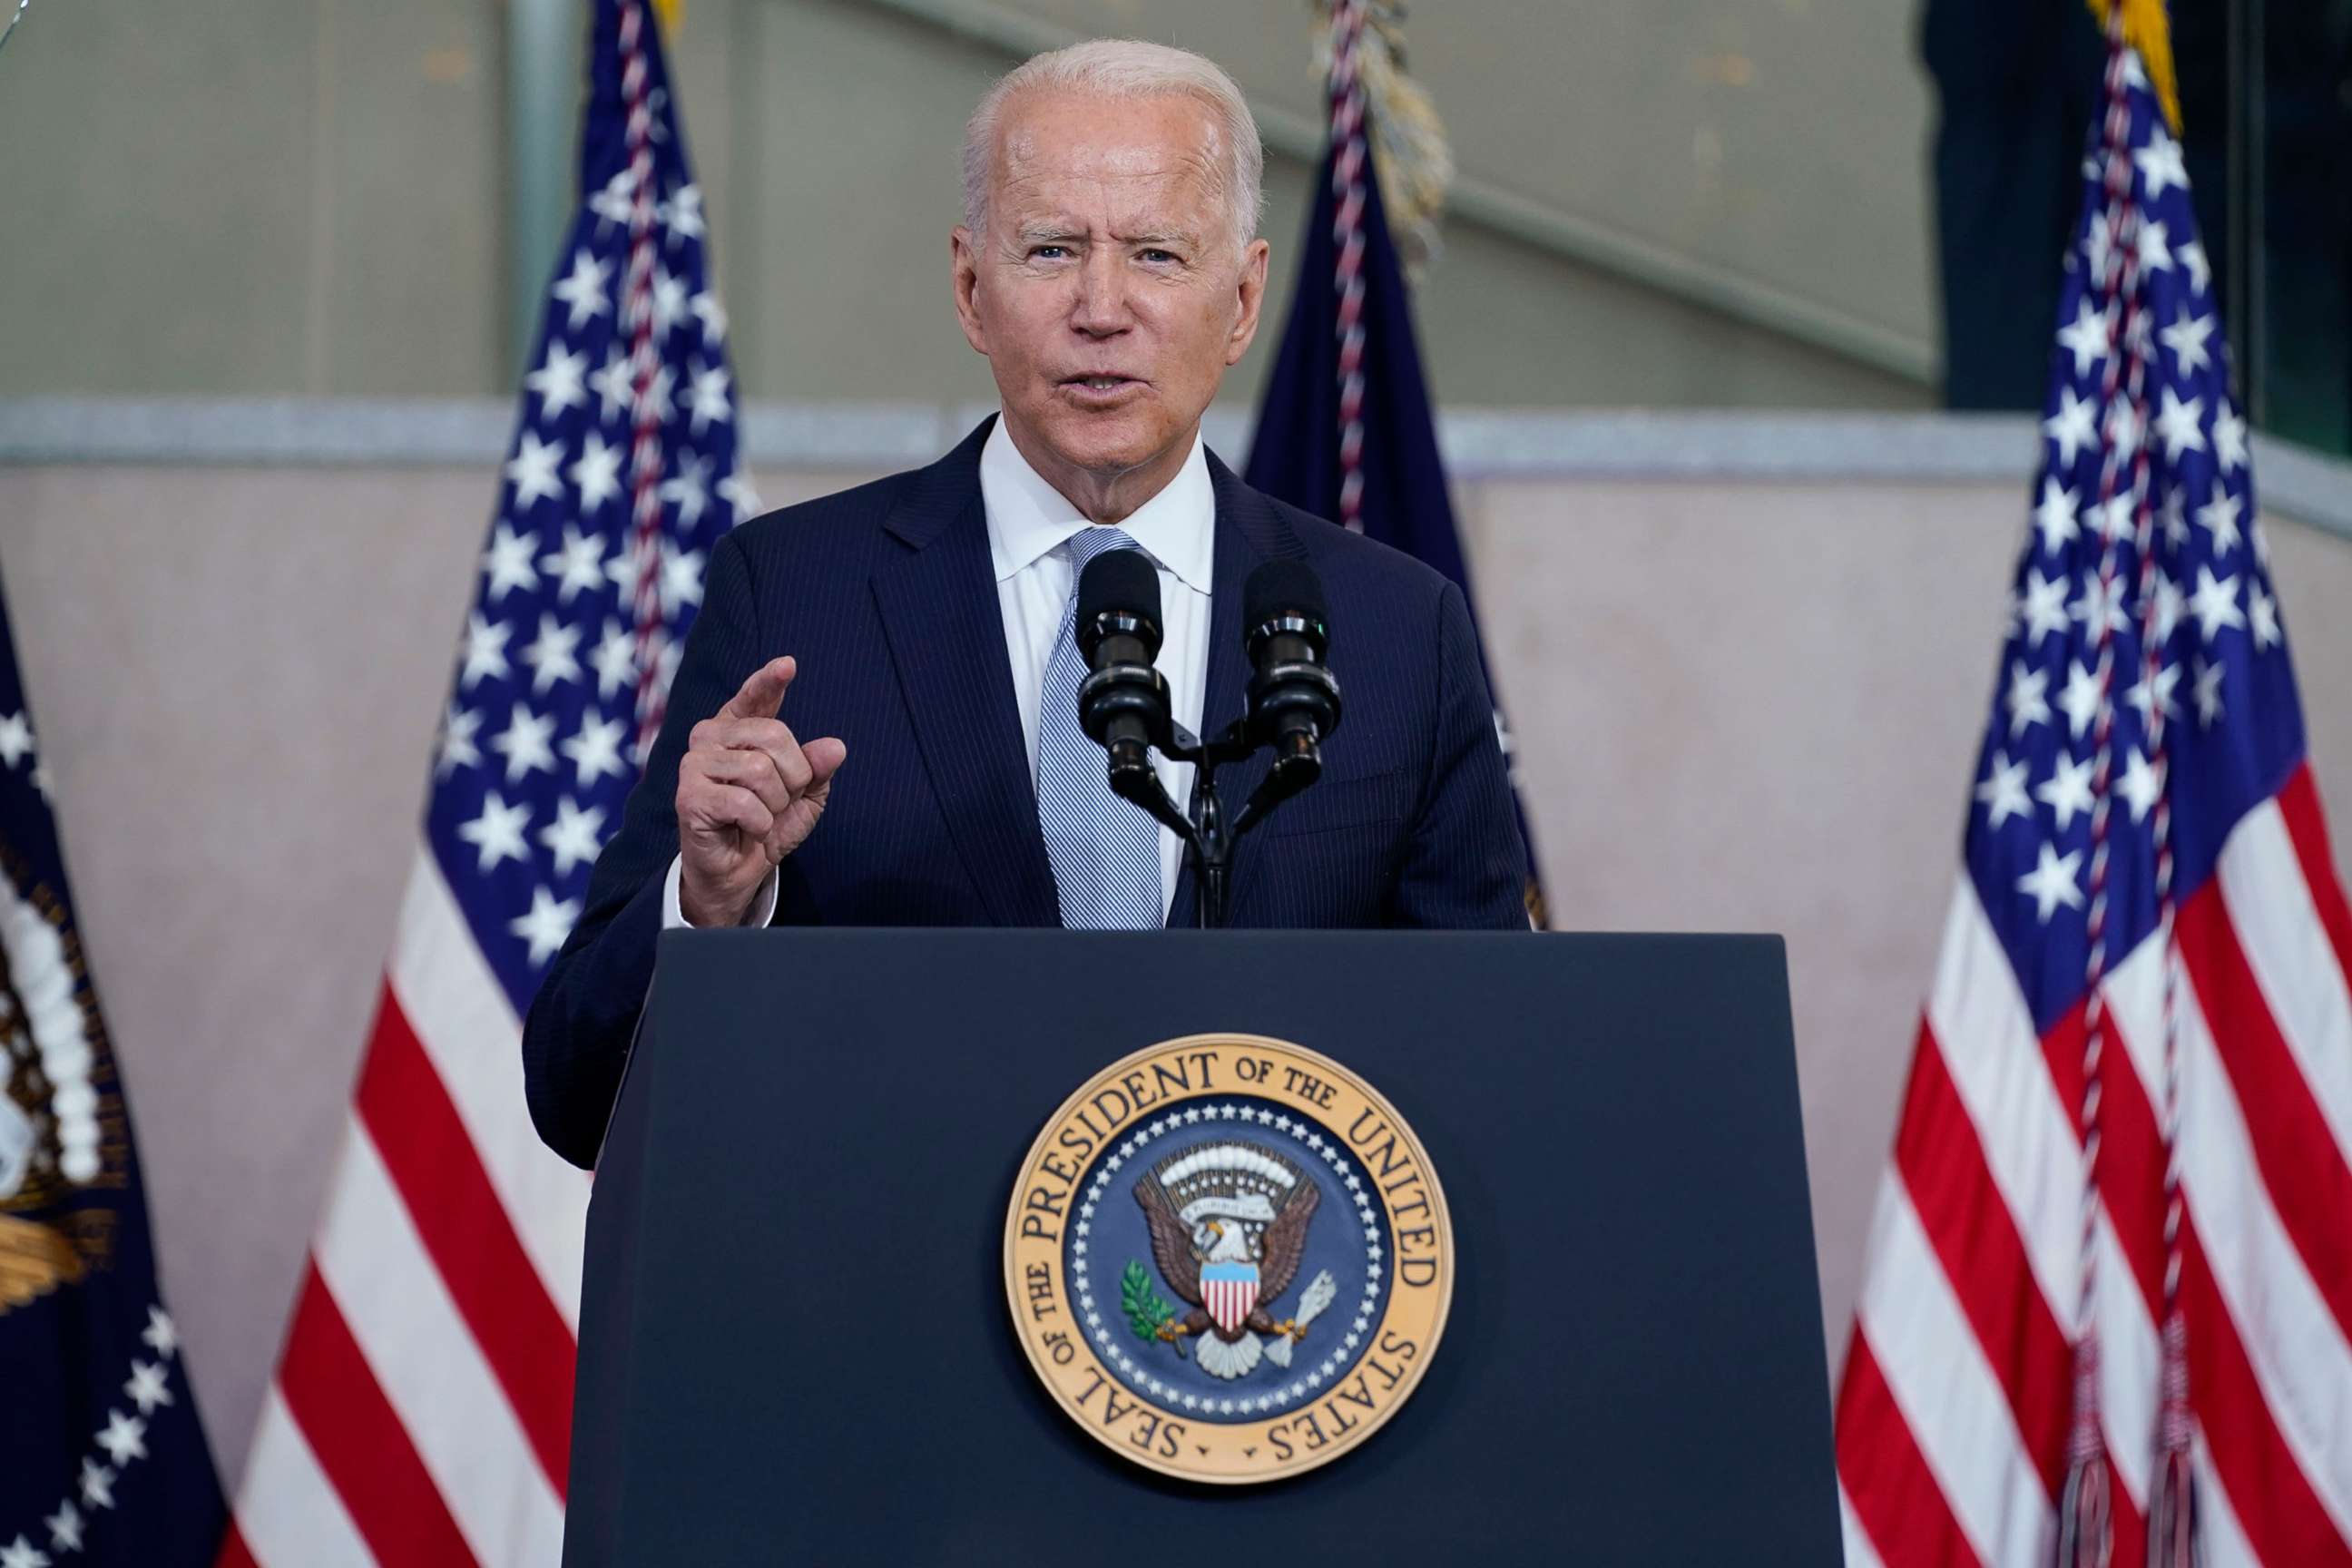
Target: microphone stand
<point x="1209" y="837"/>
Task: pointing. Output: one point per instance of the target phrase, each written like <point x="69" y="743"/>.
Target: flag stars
<point x="96" y="1485"/>
<point x="2177" y="426"/>
<point x="507" y="560"/>
<point x="689" y="489"/>
<point x="2141" y="784"/>
<point x="2208" y="690"/>
<point x="2167" y="676"/>
<point x="2126" y="429"/>
<point x="561" y="381"/>
<point x="2042" y="607"/>
<point x="2070" y="427"/>
<point x="2065" y="792"/>
<point x="2101" y="603"/>
<point x="2080" y="700"/>
<point x="65" y="1527"/>
<point x="2027" y="701"/>
<point x="2229" y="439"/>
<point x="2154" y="248"/>
<point x="498" y="833"/>
<point x="670" y="302"/>
<point x="2169" y="606"/>
<point x="22" y="1553"/>
<point x="2051" y="882"/>
<point x="709" y="403"/>
<point x="486" y="651"/>
<point x="573" y="838"/>
<point x="596" y="472"/>
<point x="682" y="214"/>
<point x="146" y="1388"/>
<point x="583" y="292"/>
<point x="458" y="727"/>
<point x="596" y="750"/>
<point x="2003" y="790"/>
<point x="681" y="579"/>
<point x="547" y="923"/>
<point x="2086" y="338"/>
<point x="2186" y="337"/>
<point x="2219" y="517"/>
<point x="533" y="470"/>
<point x="160" y="1335"/>
<point x="615" y="660"/>
<point x="612" y="386"/>
<point x="2192" y="257"/>
<point x="2055" y="518"/>
<point x="713" y="317"/>
<point x="552" y="656"/>
<point x="2264" y="611"/>
<point x="124" y="1438"/>
<point x="737" y="492"/>
<point x="2215" y="604"/>
<point x="2159" y="166"/>
<point x="15" y="737"/>
<point x="2116" y="518"/>
<point x="524" y="742"/>
<point x="578" y="565"/>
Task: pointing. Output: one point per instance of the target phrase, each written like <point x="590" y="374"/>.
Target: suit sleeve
<point x="575" y="1040"/>
<point x="1465" y="868"/>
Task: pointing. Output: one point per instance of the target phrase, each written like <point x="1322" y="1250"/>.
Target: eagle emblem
<point x="1228" y="1222"/>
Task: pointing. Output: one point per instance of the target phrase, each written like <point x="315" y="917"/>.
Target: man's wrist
<point x="758" y="909"/>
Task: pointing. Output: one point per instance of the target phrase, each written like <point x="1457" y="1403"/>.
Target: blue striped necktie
<point x="1105" y="851"/>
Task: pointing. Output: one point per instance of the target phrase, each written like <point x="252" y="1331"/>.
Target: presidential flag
<point x="421" y="1413"/>
<point x="102" y="1458"/>
<point x="2107" y="1309"/>
<point x="1345" y="430"/>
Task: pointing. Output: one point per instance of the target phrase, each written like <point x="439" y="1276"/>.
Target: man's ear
<point x="1250" y="297"/>
<point x="963" y="270"/>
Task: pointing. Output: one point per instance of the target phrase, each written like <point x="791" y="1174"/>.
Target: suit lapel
<point x="1249" y="530"/>
<point x="939" y="613"/>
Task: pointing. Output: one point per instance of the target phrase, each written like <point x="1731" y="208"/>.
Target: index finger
<point x="763" y="692"/>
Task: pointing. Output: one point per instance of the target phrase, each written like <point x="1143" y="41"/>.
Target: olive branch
<point x="1146" y="1309"/>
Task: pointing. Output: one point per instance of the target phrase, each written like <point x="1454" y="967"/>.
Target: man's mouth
<point x="1098" y="383"/>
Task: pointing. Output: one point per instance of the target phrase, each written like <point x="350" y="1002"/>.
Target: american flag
<point x="422" y="1408"/>
<point x="2064" y="1305"/>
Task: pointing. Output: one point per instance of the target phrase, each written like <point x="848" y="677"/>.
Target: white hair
<point x="1127" y="68"/>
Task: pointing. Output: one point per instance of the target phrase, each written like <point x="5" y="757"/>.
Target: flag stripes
<point x="1970" y="1250"/>
<point x="445" y="1192"/>
<point x="458" y="1012"/>
<point x="364" y="1456"/>
<point x="294" y="1515"/>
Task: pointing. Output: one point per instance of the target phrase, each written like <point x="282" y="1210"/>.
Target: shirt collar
<point x="1028" y="518"/>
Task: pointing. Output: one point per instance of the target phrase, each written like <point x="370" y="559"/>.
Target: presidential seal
<point x="1228" y="1258"/>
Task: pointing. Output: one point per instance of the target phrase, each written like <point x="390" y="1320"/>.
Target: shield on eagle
<point x="1229" y="1290"/>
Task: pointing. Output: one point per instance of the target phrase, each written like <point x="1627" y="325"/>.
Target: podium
<point x="796" y="1342"/>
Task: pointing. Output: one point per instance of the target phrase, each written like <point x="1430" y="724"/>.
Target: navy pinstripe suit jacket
<point x="887" y="595"/>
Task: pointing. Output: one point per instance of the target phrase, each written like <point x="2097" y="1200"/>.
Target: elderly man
<point x="918" y="629"/>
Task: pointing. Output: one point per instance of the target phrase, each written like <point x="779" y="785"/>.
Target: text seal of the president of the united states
<point x="1228" y="1258"/>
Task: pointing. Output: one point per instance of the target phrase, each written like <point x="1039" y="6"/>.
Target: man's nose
<point x="1101" y="308"/>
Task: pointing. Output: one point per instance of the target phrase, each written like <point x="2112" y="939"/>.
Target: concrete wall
<point x="1742" y="706"/>
<point x="311" y="197"/>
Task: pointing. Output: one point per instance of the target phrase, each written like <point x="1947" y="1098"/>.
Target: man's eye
<point x="1049" y="252"/>
<point x="1157" y="255"/>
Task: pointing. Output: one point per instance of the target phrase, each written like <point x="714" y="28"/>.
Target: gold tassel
<point x="2147" y="29"/>
<point x="1411" y="157"/>
<point x="671" y="12"/>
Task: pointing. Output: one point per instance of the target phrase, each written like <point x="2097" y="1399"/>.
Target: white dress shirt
<point x="1029" y="524"/>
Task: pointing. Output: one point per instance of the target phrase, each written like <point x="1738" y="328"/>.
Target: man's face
<point x="1110" y="293"/>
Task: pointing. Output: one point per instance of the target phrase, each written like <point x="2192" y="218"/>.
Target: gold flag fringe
<point x="2149" y="31"/>
<point x="1410" y="152"/>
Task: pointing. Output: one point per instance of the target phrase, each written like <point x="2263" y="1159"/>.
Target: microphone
<point x="1123" y="704"/>
<point x="1293" y="701"/>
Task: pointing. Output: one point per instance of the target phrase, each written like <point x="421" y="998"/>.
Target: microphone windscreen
<point x="1123" y="580"/>
<point x="1282" y="586"/>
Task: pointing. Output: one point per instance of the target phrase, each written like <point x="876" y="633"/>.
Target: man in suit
<point x="1107" y="267"/>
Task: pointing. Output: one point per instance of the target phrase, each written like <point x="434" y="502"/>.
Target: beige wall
<point x="311" y="197"/>
<point x="1742" y="707"/>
